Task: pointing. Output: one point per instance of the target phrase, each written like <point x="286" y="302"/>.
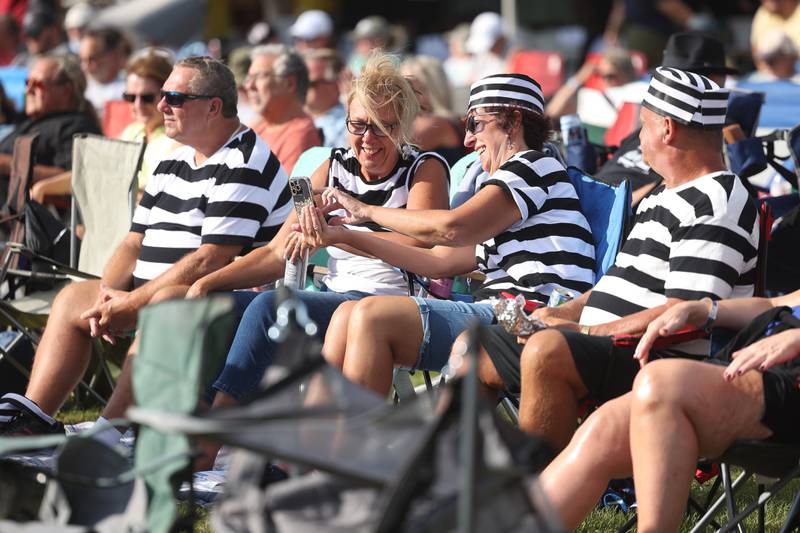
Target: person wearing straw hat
<point x="695" y="237"/>
<point x="523" y="229"/>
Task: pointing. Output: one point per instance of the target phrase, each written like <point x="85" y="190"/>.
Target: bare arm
<point x="437" y="262"/>
<point x="733" y="313"/>
<point x="481" y="217"/>
<point x="58" y="185"/>
<point x="260" y="266"/>
<point x="118" y="272"/>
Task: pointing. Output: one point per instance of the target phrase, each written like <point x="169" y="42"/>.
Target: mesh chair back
<point x="18" y="185"/>
<point x="608" y="209"/>
<point x="169" y="373"/>
<point x="104" y="184"/>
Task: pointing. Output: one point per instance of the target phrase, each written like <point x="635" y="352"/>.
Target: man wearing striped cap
<point x="695" y="237"/>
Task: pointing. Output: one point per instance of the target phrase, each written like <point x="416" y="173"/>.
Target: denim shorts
<point x="442" y="322"/>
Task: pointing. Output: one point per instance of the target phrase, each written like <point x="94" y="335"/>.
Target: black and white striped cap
<point x="687" y="97"/>
<point x="507" y="90"/>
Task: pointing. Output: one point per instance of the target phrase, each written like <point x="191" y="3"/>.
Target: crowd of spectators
<point x="225" y="129"/>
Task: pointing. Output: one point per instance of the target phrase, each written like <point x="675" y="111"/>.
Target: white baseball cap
<point x="312" y="24"/>
<point x="484" y="32"/>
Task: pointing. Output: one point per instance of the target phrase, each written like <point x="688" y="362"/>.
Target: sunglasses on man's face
<point x="31" y="83"/>
<point x="177" y="99"/>
<point x="147" y="98"/>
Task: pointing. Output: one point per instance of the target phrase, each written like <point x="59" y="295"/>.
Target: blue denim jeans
<point x="253" y="351"/>
<point x="442" y="322"/>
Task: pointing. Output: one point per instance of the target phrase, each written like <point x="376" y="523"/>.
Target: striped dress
<point x="697" y="240"/>
<point x="239" y="195"/>
<point x="349" y="272"/>
<point x="550" y="245"/>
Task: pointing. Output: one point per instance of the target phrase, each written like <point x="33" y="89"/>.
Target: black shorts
<point x="782" y="404"/>
<point x="606" y="370"/>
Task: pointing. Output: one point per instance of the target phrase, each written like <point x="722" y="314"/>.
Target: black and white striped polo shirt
<point x="696" y="240"/>
<point x="550" y="246"/>
<point x="239" y="195"/>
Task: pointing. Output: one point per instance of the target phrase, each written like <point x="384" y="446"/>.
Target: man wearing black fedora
<point x="690" y="51"/>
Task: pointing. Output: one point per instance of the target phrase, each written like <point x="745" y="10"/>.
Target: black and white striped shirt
<point x="697" y="240"/>
<point x="349" y="272"/>
<point x="550" y="245"/>
<point x="239" y="195"/>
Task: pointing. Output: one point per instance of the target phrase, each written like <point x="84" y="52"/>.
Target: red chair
<point x="118" y="114"/>
<point x="546" y="67"/>
<point x="627" y="121"/>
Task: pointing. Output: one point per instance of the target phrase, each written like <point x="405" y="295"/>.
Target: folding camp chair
<point x="100" y="488"/>
<point x="104" y="181"/>
<point x="19" y="179"/>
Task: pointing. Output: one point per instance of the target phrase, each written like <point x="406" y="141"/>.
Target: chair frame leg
<point x="714" y="508"/>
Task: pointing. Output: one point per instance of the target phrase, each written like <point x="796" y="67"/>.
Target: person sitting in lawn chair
<point x="216" y="196"/>
<point x="680" y="410"/>
<point x="523" y="228"/>
<point x="696" y="236"/>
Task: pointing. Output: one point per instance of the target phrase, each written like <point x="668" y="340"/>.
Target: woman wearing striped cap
<point x="523" y="229"/>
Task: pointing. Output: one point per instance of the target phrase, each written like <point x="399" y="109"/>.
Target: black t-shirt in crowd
<point x="54" y="144"/>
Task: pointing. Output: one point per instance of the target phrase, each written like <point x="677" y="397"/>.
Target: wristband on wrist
<point x="712" y="314"/>
<point x="585" y="330"/>
<point x="573" y="83"/>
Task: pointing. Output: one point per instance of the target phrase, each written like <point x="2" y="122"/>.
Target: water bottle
<point x="294" y="274"/>
<point x="572" y="130"/>
<point x="579" y="152"/>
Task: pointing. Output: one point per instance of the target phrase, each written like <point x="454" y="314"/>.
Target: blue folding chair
<point x="607" y="208"/>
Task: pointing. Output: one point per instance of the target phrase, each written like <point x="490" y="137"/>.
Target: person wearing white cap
<point x="696" y="237"/>
<point x="312" y="29"/>
<point x="487" y="43"/>
<point x="76" y="21"/>
<point x="523" y="229"/>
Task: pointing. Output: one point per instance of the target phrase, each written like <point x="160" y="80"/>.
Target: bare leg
<point x="122" y="396"/>
<point x="209" y="449"/>
<point x="383" y="331"/>
<point x="490" y="381"/>
<point x="551" y="388"/>
<point x="682" y="409"/>
<point x="598" y="452"/>
<point x="63" y="353"/>
<point x="336" y="336"/>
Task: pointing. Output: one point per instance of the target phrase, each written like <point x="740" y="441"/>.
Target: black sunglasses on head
<point x="147" y="98"/>
<point x="177" y="99"/>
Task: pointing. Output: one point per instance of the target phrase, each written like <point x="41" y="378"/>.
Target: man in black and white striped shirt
<point x="210" y="200"/>
<point x="696" y="237"/>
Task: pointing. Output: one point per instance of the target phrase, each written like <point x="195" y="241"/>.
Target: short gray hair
<point x="68" y="70"/>
<point x="214" y="79"/>
<point x="287" y="63"/>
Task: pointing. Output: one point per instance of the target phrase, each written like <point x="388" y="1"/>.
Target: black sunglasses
<point x="177" y="99"/>
<point x="473" y="126"/>
<point x="147" y="98"/>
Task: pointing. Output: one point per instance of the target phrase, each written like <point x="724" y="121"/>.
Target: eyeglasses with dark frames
<point x="357" y="127"/>
<point x="147" y="98"/>
<point x="177" y="99"/>
<point x="473" y="125"/>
